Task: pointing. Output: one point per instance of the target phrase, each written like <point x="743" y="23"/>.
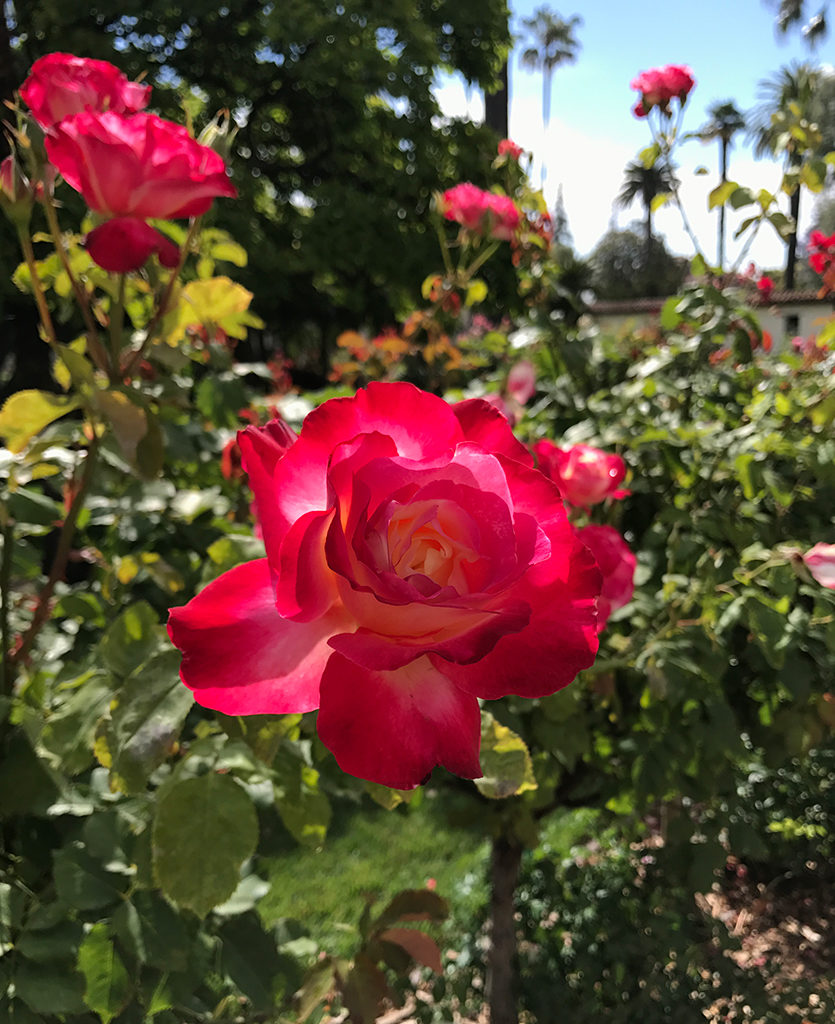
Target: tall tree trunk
<point x="791" y="253"/>
<point x="496" y="104"/>
<point x="724" y="174"/>
<point x="506" y="859"/>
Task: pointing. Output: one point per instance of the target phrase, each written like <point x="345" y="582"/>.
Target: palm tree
<point x="797" y="91"/>
<point x="791" y="13"/>
<point x="725" y="122"/>
<point x="645" y="183"/>
<point x="552" y="42"/>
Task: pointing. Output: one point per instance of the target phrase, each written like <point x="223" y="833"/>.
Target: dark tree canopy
<point x="624" y="267"/>
<point x="341" y="142"/>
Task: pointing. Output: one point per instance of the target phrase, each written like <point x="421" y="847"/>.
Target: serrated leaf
<point x="82" y="882"/>
<point x="205" y="828"/>
<point x="505" y="761"/>
<point x="50" y="990"/>
<point x="107" y="985"/>
<point x="26" y="413"/>
<point x="146" y="716"/>
<point x="131" y="640"/>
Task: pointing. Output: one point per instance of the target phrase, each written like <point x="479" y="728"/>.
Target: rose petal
<point x="484" y="424"/>
<point x="395" y="727"/>
<point x="240" y="657"/>
<point x="124" y="244"/>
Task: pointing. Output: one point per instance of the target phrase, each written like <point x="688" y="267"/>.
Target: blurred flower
<point x="820" y="561"/>
<point x="617" y="565"/>
<point x="765" y="286"/>
<point x="509" y="148"/>
<point x="521" y="381"/>
<point x="584" y="475"/>
<point x="60" y="85"/>
<point x="659" y="86"/>
<point x="484" y="213"/>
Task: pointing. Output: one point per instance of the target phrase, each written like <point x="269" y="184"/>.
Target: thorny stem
<point x="37" y="289"/>
<point x="130" y="366"/>
<point x="97" y="352"/>
<point x="59" y="563"/>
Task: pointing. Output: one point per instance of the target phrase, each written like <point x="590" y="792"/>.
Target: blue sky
<point x="730" y="46"/>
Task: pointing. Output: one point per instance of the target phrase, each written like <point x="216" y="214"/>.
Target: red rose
<point x="765" y="286"/>
<point x="503" y="217"/>
<point x="820" y="561"/>
<point x="60" y="85"/>
<point x="509" y="148"/>
<point x="584" y="475"/>
<point x="133" y="169"/>
<point x="415" y="563"/>
<point x="617" y="566"/>
<point x="821" y="251"/>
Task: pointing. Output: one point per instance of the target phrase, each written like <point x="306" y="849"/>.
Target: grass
<point x="371" y="852"/>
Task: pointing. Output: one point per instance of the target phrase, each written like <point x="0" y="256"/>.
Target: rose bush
<point x="585" y="475"/>
<point x="131" y="169"/>
<point x="61" y="84"/>
<point x="416" y="561"/>
<point x="617" y="566"/>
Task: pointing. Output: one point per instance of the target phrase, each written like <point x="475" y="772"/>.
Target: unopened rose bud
<point x="16" y="193"/>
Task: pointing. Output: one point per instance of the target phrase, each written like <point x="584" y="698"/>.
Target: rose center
<point x="435" y="540"/>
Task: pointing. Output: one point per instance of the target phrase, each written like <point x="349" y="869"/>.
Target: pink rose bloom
<point x="521" y="381"/>
<point x="585" y="475"/>
<point x="132" y="169"/>
<point x="820" y="561"/>
<point x="504" y="217"/>
<point x="765" y="286"/>
<point x="482" y="212"/>
<point x="617" y="566"/>
<point x="659" y="86"/>
<point x="509" y="148"/>
<point x="60" y="85"/>
<point x="416" y="562"/>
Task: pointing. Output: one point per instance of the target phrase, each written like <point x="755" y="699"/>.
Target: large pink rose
<point x="584" y="475"/>
<point x="415" y="562"/>
<point x="60" y="85"/>
<point x="132" y="169"/>
<point x="616" y="563"/>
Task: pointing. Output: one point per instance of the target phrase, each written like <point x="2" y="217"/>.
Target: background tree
<point x="551" y="42"/>
<point x="725" y="121"/>
<point x="624" y="267"/>
<point x="341" y="140"/>
<point x="791" y="14"/>
<point x="645" y="183"/>
<point x="795" y="119"/>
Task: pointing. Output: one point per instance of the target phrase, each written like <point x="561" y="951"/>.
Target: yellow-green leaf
<point x="505" y="761"/>
<point x="26" y="413"/>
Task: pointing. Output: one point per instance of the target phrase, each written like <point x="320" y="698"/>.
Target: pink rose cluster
<point x="659" y="86"/>
<point x="130" y="166"/>
<point x="416" y="562"/>
<point x="483" y="213"/>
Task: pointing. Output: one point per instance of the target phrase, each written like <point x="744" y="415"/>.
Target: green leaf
<point x="742" y="196"/>
<point x="131" y="640"/>
<point x="660" y="200"/>
<point x="649" y="155"/>
<point x="152" y="932"/>
<point x="70" y="732"/>
<point x="129" y="422"/>
<point x="250" y="958"/>
<point x="205" y="828"/>
<point x="303" y="807"/>
<point x="72" y="366"/>
<point x="476" y="292"/>
<point x="48" y="945"/>
<point x="721" y="194"/>
<point x="26" y="413"/>
<point x="150" y="450"/>
<point x="505" y="761"/>
<point x="145" y="721"/>
<point x="82" y="882"/>
<point x="108" y="987"/>
<point x="50" y="990"/>
<point x="11" y="906"/>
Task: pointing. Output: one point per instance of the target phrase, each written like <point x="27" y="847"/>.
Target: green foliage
<point x="626" y="265"/>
